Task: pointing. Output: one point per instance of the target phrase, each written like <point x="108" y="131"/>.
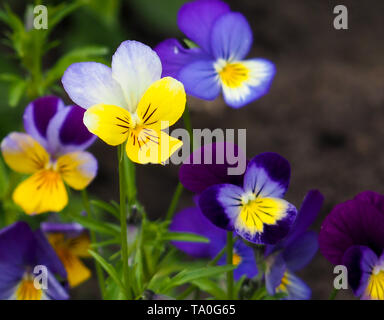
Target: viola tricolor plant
<point x="242" y="238"/>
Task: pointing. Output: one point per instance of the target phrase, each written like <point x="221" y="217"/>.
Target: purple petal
<point x="72" y="229"/>
<point x="374" y="198"/>
<point x="20" y="250"/>
<point x="247" y="265"/>
<point x="267" y="175"/>
<point x="296" y="288"/>
<point x="309" y="210"/>
<point x="300" y="252"/>
<point x="200" y="79"/>
<point x="209" y="165"/>
<point x="55" y="290"/>
<point x="38" y="114"/>
<point x="174" y="56"/>
<point x="354" y="222"/>
<point x="197" y="18"/>
<point x="274" y="273"/>
<point x="360" y="261"/>
<point x="231" y="37"/>
<point x="67" y="132"/>
<point x="221" y="204"/>
<point x="193" y="221"/>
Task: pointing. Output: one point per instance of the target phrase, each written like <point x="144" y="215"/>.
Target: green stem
<point x="186" y="293"/>
<point x="99" y="270"/>
<point x="230" y="262"/>
<point x="218" y="257"/>
<point x="175" y="200"/>
<point x="130" y="173"/>
<point x="333" y="294"/>
<point x="123" y="220"/>
<point x="188" y="125"/>
<point x="179" y="187"/>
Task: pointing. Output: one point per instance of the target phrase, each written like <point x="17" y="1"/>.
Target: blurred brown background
<point x="324" y="112"/>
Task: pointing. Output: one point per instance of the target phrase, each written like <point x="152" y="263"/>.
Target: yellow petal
<point x="110" y="123"/>
<point x="27" y="291"/>
<point x="44" y="191"/>
<point x="151" y="146"/>
<point x="80" y="245"/>
<point x="77" y="169"/>
<point x="162" y="104"/>
<point x="77" y="272"/>
<point x="23" y="154"/>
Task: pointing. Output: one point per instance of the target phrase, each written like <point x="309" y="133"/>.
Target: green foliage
<point x="31" y="45"/>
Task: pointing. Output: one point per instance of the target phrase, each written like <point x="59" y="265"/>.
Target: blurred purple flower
<point x="224" y="39"/>
<point x="21" y="250"/>
<point x="294" y="252"/>
<point x="352" y="235"/>
<point x="193" y="221"/>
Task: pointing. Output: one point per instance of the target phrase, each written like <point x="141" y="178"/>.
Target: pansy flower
<point x="224" y="39"/>
<point x="129" y="102"/>
<point x="23" y="256"/>
<point x="51" y="151"/>
<point x="256" y="210"/>
<point x="352" y="235"/>
<point x="71" y="242"/>
<point x="193" y="221"/>
<point x="294" y="252"/>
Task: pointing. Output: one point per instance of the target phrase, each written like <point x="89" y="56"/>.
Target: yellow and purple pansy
<point x="256" y="210"/>
<point x="70" y="242"/>
<point x="294" y="252"/>
<point x="129" y="102"/>
<point x="21" y="250"/>
<point x="191" y="220"/>
<point x="224" y="39"/>
<point x="352" y="235"/>
<point x="52" y="152"/>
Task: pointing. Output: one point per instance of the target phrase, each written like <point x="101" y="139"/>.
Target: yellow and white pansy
<point x="129" y="102"/>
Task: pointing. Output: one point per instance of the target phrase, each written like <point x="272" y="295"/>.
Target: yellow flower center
<point x="375" y="288"/>
<point x="283" y="284"/>
<point x="27" y="290"/>
<point x="232" y="74"/>
<point x="236" y="259"/>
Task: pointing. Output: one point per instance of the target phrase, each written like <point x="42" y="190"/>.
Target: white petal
<point x="135" y="67"/>
<point x="90" y="83"/>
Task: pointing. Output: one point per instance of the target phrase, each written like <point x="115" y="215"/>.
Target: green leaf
<point x="190" y="44"/>
<point x="16" y="91"/>
<point x="199" y="273"/>
<point x="4" y="182"/>
<point x="98" y="226"/>
<point x="105" y="243"/>
<point x="184" y="236"/>
<point x="106" y="207"/>
<point x="210" y="287"/>
<point x="108" y="268"/>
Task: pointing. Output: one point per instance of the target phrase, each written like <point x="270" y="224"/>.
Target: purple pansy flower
<point x="193" y="221"/>
<point x="352" y="234"/>
<point x="294" y="252"/>
<point x="255" y="210"/>
<point x="21" y="250"/>
<point x="52" y="151"/>
<point x="224" y="39"/>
